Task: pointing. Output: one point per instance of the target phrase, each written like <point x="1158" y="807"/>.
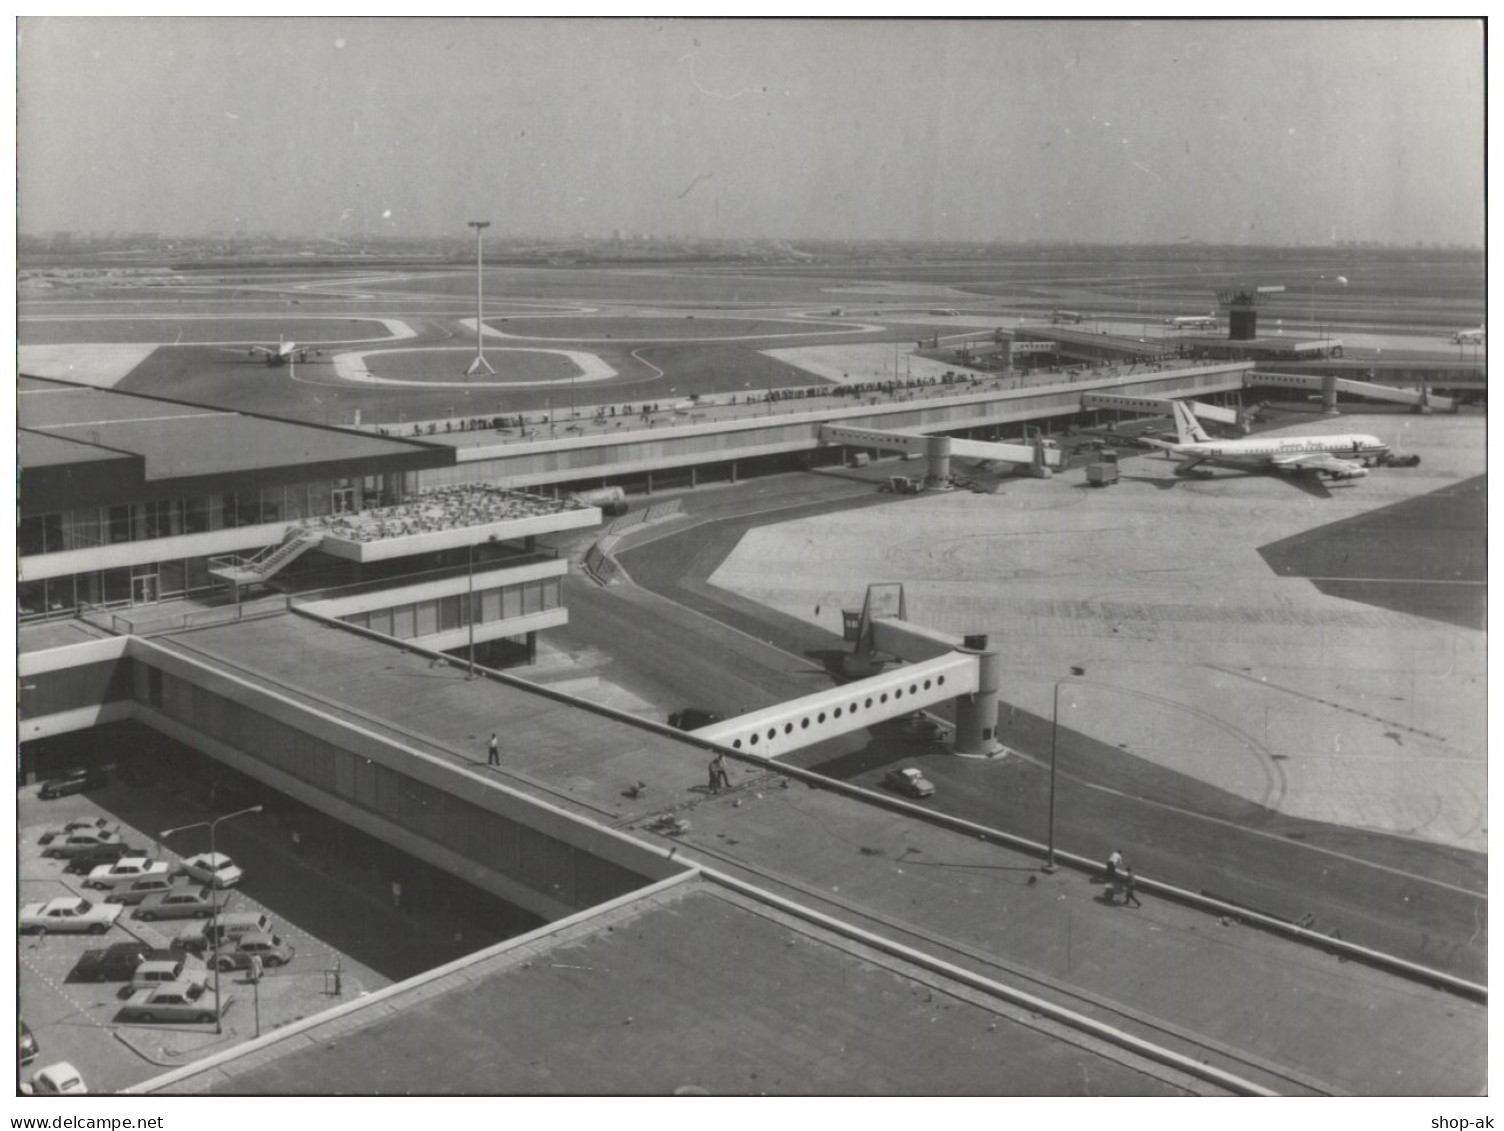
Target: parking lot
<point x="341" y="901"/>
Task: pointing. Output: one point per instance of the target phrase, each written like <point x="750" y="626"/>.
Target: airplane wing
<point x="1321" y="463"/>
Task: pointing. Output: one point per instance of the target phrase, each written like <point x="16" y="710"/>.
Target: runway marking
<point x="351" y="367"/>
<point x="645" y="361"/>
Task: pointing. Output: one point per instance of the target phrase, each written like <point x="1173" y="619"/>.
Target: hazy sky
<point x="1269" y="132"/>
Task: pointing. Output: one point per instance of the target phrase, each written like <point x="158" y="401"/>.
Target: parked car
<point x="134" y="892"/>
<point x="693" y="718"/>
<point x="26" y="1045"/>
<point x="174" y="1001"/>
<point x="125" y="871"/>
<point x="79" y="779"/>
<point x="157" y="971"/>
<point x="113" y="963"/>
<point x="214" y="868"/>
<point x="60" y="1079"/>
<point x="198" y="938"/>
<point x="69" y="913"/>
<point x="182" y="902"/>
<point x="909" y="782"/>
<point x="81" y="841"/>
<point x="269" y="948"/>
<point x="82" y="863"/>
<point x="77" y="825"/>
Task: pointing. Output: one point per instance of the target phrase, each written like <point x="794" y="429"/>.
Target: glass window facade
<point x="444" y="614"/>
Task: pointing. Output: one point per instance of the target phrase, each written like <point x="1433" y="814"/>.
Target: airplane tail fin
<point x="1188" y="429"/>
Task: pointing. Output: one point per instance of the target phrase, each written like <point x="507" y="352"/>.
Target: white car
<point x="213" y="868"/>
<point x="125" y="871"/>
<point x="174" y="1001"/>
<point x="70" y="913"/>
<point x="60" y="1079"/>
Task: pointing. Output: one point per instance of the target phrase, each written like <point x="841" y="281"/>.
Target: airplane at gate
<point x="1318" y="455"/>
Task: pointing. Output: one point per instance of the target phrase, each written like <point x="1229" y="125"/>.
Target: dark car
<point x="80" y="779"/>
<point x="111" y="963"/>
<point x="693" y="718"/>
<point x="27" y="1046"/>
<point x="86" y="861"/>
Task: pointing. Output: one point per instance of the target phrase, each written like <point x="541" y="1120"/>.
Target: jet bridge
<point x="937" y="667"/>
<point x="1040" y="457"/>
<point x="1160" y="406"/>
<point x="1329" y="385"/>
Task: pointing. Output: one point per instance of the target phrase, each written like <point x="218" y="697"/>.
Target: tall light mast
<point x="480" y="362"/>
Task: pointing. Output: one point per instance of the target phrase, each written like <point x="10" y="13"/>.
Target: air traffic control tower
<point x="1241" y="304"/>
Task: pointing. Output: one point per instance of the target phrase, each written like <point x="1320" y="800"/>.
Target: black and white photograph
<point x="635" y="557"/>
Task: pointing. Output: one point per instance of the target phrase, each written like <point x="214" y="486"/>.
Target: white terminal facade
<point x="128" y="502"/>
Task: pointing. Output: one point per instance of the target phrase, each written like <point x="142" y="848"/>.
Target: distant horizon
<point x="1238" y="132"/>
<point x="462" y="241"/>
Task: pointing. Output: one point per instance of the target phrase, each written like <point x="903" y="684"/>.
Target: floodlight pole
<point x="480" y="362"/>
<point x="214" y="888"/>
<point x="1049" y="863"/>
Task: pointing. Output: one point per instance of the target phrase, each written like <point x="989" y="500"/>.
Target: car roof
<point x="159" y="964"/>
<point x="62" y="901"/>
<point x="186" y="989"/>
<point x="215" y="858"/>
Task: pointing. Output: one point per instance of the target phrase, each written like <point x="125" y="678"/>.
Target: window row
<point x="443" y="614"/>
<point x="128" y="585"/>
<point x="84" y="527"/>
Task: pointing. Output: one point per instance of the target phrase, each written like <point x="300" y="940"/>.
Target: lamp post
<point x="470" y="608"/>
<point x="214" y="899"/>
<point x="1049" y="864"/>
<point x="480" y="362"/>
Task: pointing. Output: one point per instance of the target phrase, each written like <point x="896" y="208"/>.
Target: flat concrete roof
<point x="690" y="989"/>
<point x="183" y="441"/>
<point x="1167" y="972"/>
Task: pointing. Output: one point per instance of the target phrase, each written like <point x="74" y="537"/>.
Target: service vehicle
<point x="909" y="781"/>
<point x="183" y="902"/>
<point x="126" y="871"/>
<point x="1104" y="473"/>
<point x="199" y="937"/>
<point x="60" y="1079"/>
<point x="79" y="779"/>
<point x="69" y="913"/>
<point x="174" y="1001"/>
<point x="82" y="841"/>
<point x="213" y="868"/>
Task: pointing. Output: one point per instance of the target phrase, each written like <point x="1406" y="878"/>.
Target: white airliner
<point x="1193" y="322"/>
<point x="1469" y="337"/>
<point x="282" y="353"/>
<point x="1314" y="454"/>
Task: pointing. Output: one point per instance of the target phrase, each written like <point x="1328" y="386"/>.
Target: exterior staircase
<point x="240" y="571"/>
